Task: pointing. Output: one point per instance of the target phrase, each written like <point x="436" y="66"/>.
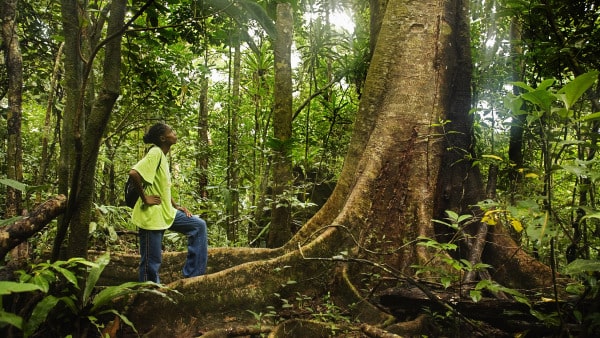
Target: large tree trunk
<point x="385" y="198"/>
<point x="281" y="214"/>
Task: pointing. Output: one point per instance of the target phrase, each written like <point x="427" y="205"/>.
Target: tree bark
<point x="73" y="79"/>
<point x="203" y="141"/>
<point x="280" y="230"/>
<point x="14" y="66"/>
<point x="92" y="136"/>
<point x="233" y="169"/>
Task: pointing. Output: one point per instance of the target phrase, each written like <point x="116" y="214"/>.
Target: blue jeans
<point x="151" y="248"/>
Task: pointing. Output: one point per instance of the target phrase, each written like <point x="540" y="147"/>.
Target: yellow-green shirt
<point x="156" y="182"/>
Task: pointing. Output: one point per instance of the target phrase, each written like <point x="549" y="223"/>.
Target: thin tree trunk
<point x="280" y="230"/>
<point x="45" y="158"/>
<point x="203" y="142"/>
<point x="515" y="146"/>
<point x="233" y="151"/>
<point x="14" y="146"/>
<point x="73" y="80"/>
<point x="14" y="65"/>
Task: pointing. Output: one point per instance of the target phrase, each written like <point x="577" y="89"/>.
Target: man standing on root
<point x="155" y="211"/>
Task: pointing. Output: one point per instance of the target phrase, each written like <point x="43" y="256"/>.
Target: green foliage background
<point x="177" y="44"/>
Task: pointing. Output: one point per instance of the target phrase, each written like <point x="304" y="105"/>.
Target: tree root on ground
<point x="312" y="328"/>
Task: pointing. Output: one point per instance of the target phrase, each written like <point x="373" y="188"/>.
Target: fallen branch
<point x="18" y="232"/>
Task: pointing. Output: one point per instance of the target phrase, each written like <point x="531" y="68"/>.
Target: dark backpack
<point x="131" y="194"/>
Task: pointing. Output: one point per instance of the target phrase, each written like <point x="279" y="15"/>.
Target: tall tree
<point x="233" y="165"/>
<point x="14" y="145"/>
<point x="88" y="136"/>
<point x="280" y="229"/>
<point x="73" y="79"/>
<point x="203" y="141"/>
<point x="14" y="66"/>
<point x="385" y="198"/>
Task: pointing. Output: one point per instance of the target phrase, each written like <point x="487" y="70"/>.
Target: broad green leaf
<point x="576" y="88"/>
<point x="10" y="319"/>
<point x="94" y="275"/>
<point x="8" y="287"/>
<point x="475" y="295"/>
<point x="452" y="215"/>
<point x="108" y="294"/>
<point x="546" y="84"/>
<point x="39" y="314"/>
<point x="582" y="266"/>
<point x="123" y="318"/>
<point x="595" y="215"/>
<point x="591" y="117"/>
<point x="69" y="275"/>
<point x="523" y="85"/>
<point x="42" y="281"/>
<point x="541" y="98"/>
<point x="575" y="170"/>
<point x="14" y="184"/>
<point x="463" y="218"/>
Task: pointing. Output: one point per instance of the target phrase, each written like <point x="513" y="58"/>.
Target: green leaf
<point x="107" y="295"/>
<point x="540" y="98"/>
<point x="446" y="281"/>
<point x="69" y="275"/>
<point x="11" y="319"/>
<point x="8" y="287"/>
<point x="39" y="314"/>
<point x="594" y="215"/>
<point x="575" y="170"/>
<point x="463" y="218"/>
<point x="94" y="275"/>
<point x="579" y="266"/>
<point x="546" y="84"/>
<point x="523" y="85"/>
<point x="42" y="281"/>
<point x="591" y="117"/>
<point x="452" y="215"/>
<point x="14" y="184"/>
<point x="475" y="295"/>
<point x="123" y="318"/>
<point x="576" y="88"/>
